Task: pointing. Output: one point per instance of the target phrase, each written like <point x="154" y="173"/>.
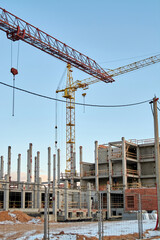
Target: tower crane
<point x="18" y="29"/>
<point x="69" y="94"/>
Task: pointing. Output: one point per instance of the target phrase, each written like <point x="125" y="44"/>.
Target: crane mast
<point x="69" y="94"/>
<point x="18" y="29"/>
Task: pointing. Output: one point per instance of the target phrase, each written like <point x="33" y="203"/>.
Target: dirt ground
<point x="9" y="231"/>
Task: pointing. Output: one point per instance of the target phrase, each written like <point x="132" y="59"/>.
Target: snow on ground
<point x="110" y="228"/>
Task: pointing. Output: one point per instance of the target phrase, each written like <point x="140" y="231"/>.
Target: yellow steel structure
<point x="69" y="94"/>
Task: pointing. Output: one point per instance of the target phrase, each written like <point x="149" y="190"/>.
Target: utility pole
<point x="157" y="159"/>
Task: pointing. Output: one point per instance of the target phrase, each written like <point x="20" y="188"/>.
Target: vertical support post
<point x="35" y="169"/>
<point x="138" y="166"/>
<point x="96" y="166"/>
<point x="45" y="214"/>
<point x="49" y="166"/>
<point x="79" y="198"/>
<point x="66" y="200"/>
<point x="124" y="164"/>
<point x="124" y="169"/>
<point x="140" y="226"/>
<point x="108" y="201"/>
<point x="6" y="193"/>
<point x="81" y="161"/>
<point x="110" y="166"/>
<point x="30" y="162"/>
<point x="89" y="199"/>
<point x="54" y="169"/>
<point x="2" y="167"/>
<point x="19" y="170"/>
<point x="35" y="180"/>
<point x="99" y="216"/>
<point x="38" y="181"/>
<point x="54" y="197"/>
<point x="72" y="166"/>
<point x="9" y="163"/>
<point x="28" y="175"/>
<point x="157" y="158"/>
<point x="58" y="167"/>
<point x="23" y="196"/>
<point x="39" y="197"/>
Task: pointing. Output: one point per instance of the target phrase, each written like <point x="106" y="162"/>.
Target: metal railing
<point x="131" y="155"/>
<point x="132" y="172"/>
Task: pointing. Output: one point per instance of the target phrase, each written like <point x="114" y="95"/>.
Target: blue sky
<point x="113" y="33"/>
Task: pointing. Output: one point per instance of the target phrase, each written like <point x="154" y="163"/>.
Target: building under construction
<point x="121" y="170"/>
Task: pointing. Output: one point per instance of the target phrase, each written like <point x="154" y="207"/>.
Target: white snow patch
<point x="7" y="222"/>
<point x="35" y="221"/>
<point x="12" y="215"/>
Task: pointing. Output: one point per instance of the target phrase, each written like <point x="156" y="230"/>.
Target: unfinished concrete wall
<point x="146" y="152"/>
<point x="102" y="154"/>
<point x="117" y="168"/>
<point x="148" y="182"/>
<point x="148" y="168"/>
<point x="87" y="167"/>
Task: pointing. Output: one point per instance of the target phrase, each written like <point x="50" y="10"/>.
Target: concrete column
<point x="28" y="175"/>
<point x="96" y="166"/>
<point x="89" y="199"/>
<point x="49" y="166"/>
<point x="72" y="167"/>
<point x="54" y="169"/>
<point x="108" y="201"/>
<point x="54" y="197"/>
<point x="38" y="166"/>
<point x="9" y="163"/>
<point x="6" y="193"/>
<point x="39" y="199"/>
<point x="81" y="161"/>
<point x="74" y="164"/>
<point x="110" y="166"/>
<point x="19" y="169"/>
<point x="30" y="162"/>
<point x="79" y="199"/>
<point x="66" y="200"/>
<point x="23" y="196"/>
<point x="35" y="169"/>
<point x="124" y="164"/>
<point x="35" y="186"/>
<point x="58" y="167"/>
<point x="39" y="180"/>
<point x="2" y="168"/>
<point x="138" y="165"/>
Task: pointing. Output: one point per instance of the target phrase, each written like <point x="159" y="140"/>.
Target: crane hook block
<point x="14" y="71"/>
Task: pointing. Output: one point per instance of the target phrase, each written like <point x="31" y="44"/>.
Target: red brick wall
<point x="148" y="199"/>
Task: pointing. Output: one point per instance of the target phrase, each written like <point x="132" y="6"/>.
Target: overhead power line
<point x="77" y="103"/>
